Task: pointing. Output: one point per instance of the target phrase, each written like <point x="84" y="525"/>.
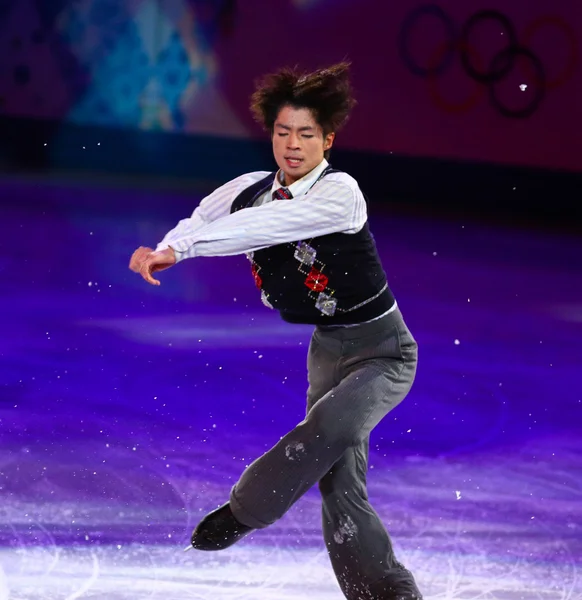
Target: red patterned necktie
<point x="282" y="194"/>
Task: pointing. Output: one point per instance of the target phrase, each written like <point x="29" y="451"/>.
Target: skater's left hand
<point x="146" y="261"/>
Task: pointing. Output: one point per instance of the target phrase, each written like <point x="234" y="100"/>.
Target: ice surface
<point x="128" y="412"/>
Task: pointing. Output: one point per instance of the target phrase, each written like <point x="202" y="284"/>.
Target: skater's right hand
<point x="146" y="261"/>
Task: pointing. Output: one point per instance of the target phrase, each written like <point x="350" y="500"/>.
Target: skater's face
<point x="298" y="142"/>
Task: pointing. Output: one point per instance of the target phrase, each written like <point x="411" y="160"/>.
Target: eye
<point x="308" y="136"/>
<point x="282" y="134"/>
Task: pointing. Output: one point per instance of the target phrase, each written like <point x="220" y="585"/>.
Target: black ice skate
<point x="219" y="530"/>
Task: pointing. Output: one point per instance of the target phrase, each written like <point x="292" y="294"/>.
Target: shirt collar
<point x="303" y="185"/>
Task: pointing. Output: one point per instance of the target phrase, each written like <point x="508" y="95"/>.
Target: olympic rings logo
<point x="486" y="77"/>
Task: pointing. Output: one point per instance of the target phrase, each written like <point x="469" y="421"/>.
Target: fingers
<point x="146" y="270"/>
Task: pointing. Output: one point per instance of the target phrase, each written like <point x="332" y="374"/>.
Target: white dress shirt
<point x="335" y="204"/>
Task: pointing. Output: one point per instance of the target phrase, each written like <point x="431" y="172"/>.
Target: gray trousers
<point x="356" y="376"/>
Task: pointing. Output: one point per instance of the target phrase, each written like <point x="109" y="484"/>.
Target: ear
<point x="328" y="141"/>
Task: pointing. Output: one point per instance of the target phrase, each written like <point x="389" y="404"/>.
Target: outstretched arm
<point x="215" y="206"/>
<point x="146" y="261"/>
<point x="332" y="206"/>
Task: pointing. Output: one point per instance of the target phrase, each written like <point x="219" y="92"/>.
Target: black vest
<point x="334" y="279"/>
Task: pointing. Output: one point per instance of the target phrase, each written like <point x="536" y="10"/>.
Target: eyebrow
<point x="286" y="127"/>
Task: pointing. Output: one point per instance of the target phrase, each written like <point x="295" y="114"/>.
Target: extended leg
<point x="341" y="419"/>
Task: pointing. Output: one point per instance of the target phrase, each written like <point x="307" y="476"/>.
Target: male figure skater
<point x="304" y="229"/>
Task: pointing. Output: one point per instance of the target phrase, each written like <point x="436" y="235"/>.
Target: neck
<point x="285" y="179"/>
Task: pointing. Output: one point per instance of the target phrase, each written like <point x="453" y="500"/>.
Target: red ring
<point x="438" y="100"/>
<point x="572" y="62"/>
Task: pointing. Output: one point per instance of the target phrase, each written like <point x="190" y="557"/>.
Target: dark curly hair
<point x="326" y="92"/>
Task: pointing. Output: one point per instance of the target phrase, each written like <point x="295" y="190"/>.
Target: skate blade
<point x="188" y="548"/>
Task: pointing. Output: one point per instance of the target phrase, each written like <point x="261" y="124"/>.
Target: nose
<point x="293" y="141"/>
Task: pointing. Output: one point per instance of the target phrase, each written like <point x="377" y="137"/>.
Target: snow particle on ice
<point x="346" y="530"/>
<point x="295" y="450"/>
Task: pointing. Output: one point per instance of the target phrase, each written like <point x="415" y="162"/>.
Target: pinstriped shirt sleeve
<point x="211" y="208"/>
<point x="333" y="205"/>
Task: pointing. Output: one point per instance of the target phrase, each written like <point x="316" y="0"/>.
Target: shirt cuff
<point x="180" y="255"/>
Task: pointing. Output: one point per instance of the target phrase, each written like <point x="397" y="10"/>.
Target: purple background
<point x="128" y="411"/>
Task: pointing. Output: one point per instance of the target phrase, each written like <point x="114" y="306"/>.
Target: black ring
<point x="501" y="68"/>
<point x="510" y="54"/>
<point x="404" y="37"/>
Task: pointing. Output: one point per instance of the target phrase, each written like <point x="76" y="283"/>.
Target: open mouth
<point x="293" y="162"/>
